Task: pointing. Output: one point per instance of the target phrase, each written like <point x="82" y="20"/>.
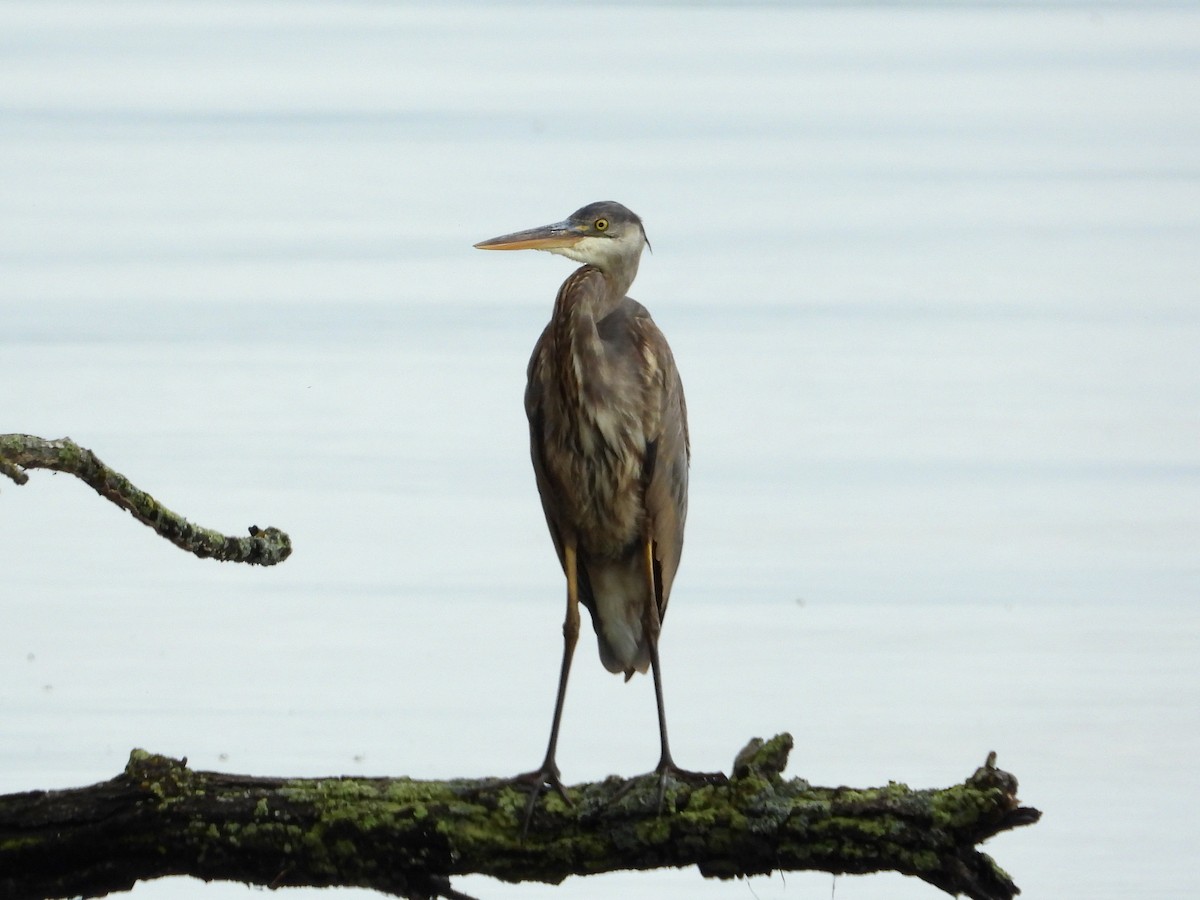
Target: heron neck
<point x="583" y="301"/>
<point x="620" y="274"/>
<point x="579" y="353"/>
<point x="598" y="304"/>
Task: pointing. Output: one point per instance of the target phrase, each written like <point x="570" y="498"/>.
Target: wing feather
<point x="668" y="454"/>
<point x="535" y="412"/>
<point x="632" y="360"/>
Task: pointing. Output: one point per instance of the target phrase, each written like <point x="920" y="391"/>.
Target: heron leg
<point x="666" y="767"/>
<point x="653" y="626"/>
<point x="570" y="638"/>
<point x="548" y="775"/>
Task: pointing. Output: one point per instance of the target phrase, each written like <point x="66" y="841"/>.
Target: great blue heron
<point x="609" y="440"/>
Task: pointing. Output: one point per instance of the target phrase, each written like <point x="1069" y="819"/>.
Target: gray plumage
<point x="608" y="437"/>
<point x="609" y="441"/>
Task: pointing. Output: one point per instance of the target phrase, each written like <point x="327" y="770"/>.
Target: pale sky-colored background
<point x="930" y="273"/>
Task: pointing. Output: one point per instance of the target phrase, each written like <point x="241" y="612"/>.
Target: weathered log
<point x="408" y="838"/>
<point x="263" y="547"/>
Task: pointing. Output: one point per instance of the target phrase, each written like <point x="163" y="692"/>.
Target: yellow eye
<point x="600" y="224"/>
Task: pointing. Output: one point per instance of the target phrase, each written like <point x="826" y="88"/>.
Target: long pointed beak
<point x="548" y="237"/>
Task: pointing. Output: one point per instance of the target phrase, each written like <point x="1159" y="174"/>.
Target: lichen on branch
<point x="18" y="452"/>
<point x="409" y="838"/>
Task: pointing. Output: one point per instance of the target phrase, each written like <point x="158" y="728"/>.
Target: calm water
<point x="931" y="277"/>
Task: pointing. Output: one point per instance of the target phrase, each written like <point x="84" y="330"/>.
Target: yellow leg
<point x="653" y="621"/>
<point x="548" y="775"/>
<point x="570" y="638"/>
<point x="571" y="624"/>
<point x="653" y="625"/>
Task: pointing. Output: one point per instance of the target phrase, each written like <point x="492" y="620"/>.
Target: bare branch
<point x="263" y="547"/>
<point x="408" y="838"/>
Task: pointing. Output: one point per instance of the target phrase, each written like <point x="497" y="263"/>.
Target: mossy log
<point x="408" y="838"/>
<point x="18" y="452"/>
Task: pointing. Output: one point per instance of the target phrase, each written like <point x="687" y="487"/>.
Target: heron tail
<point x="617" y="591"/>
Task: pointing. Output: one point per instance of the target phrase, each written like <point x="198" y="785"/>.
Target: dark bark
<point x="408" y="838"/>
<point x="18" y="452"/>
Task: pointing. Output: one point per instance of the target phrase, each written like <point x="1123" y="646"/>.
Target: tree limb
<point x="408" y="838"/>
<point x="264" y="546"/>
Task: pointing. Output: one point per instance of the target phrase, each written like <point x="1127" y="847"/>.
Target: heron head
<point x="604" y="234"/>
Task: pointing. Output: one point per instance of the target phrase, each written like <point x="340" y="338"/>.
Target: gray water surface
<point x="930" y="274"/>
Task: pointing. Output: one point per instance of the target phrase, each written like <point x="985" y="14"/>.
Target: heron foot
<point x="667" y="771"/>
<point x="537" y="782"/>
